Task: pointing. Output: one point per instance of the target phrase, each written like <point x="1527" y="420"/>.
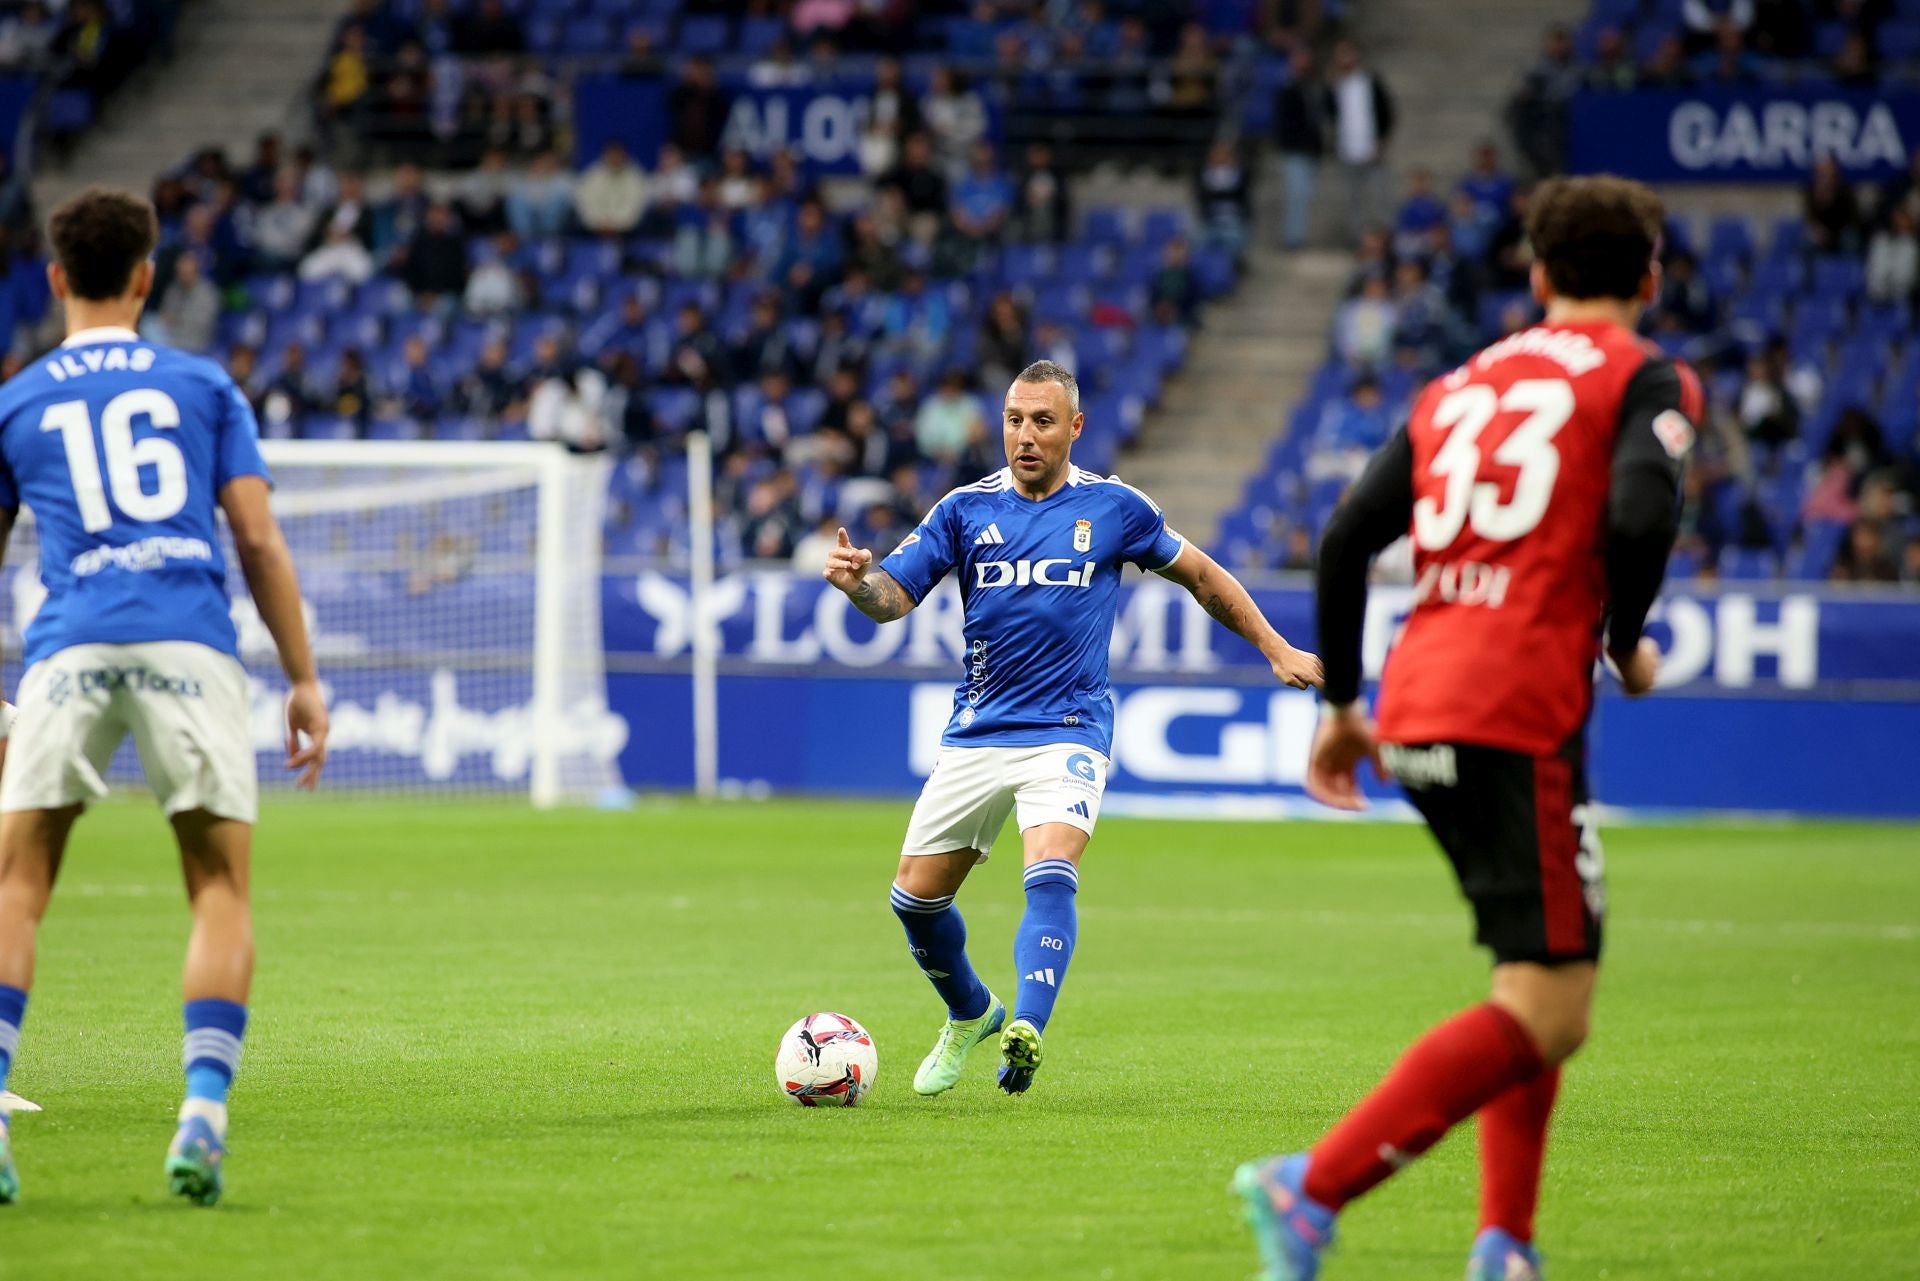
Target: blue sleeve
<point x="925" y="556"/>
<point x="237" y="440"/>
<point x="1148" y="542"/>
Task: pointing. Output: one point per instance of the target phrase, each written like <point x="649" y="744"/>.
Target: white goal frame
<point x="550" y="464"/>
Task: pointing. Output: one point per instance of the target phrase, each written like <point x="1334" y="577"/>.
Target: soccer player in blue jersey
<point x="1038" y="547"/>
<point x="125" y="452"/>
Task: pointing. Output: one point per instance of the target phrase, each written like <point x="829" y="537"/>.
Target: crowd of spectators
<point x="837" y="356"/>
<point x="1680" y="44"/>
<point x="445" y="80"/>
<point x="1809" y="459"/>
<point x="85" y="48"/>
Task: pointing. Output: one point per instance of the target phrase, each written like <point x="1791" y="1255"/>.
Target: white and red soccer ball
<point x="826" y="1061"/>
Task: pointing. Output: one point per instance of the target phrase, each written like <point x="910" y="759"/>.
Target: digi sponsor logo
<point x="1031" y="573"/>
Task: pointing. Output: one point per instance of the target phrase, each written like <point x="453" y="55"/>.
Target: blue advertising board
<point x="820" y="125"/>
<point x="1757" y="133"/>
<point x="1802" y="701"/>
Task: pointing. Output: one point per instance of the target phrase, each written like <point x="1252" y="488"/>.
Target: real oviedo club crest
<point x="1082" y="535"/>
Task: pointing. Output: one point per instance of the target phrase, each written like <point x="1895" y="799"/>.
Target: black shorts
<point x="1521" y="838"/>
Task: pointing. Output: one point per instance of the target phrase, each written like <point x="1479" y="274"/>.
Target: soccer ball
<point x="826" y="1061"/>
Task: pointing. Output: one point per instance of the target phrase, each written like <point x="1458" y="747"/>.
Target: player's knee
<point x="1563" y="1033"/>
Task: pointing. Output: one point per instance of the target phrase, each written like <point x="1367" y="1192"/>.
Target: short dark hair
<point x="99" y="238"/>
<point x="1596" y="236"/>
<point x="1047" y="371"/>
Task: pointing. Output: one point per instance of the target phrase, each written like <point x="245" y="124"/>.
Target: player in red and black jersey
<point x="1540" y="485"/>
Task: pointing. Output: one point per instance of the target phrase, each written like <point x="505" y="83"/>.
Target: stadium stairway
<point x="1451" y="68"/>
<point x="241" y="67"/>
<point x="1246" y="369"/>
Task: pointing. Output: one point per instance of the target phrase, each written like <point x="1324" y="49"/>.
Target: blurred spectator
<point x="1299" y="132"/>
<point x="891" y="104"/>
<point x="810" y="551"/>
<point x="982" y="197"/>
<point x="1685" y="294"/>
<point x="397" y="218"/>
<point x="1485" y="183"/>
<point x="1767" y="413"/>
<point x="283" y="228"/>
<point x="1865" y="556"/>
<point x="1352" y="428"/>
<point x="1537" y="114"/>
<point x="1612" y="68"/>
<point x="434" y="261"/>
<point x="417" y="392"/>
<point x="703" y="246"/>
<point x="921" y="185"/>
<point x="191" y="309"/>
<point x="1852" y="65"/>
<point x="697" y="111"/>
<point x="949" y="424"/>
<point x="611" y="194"/>
<point x="567" y="403"/>
<point x="352" y="395"/>
<point x="1893" y="258"/>
<point x="1420" y="212"/>
<point x="1831" y="212"/>
<point x="1173" y="291"/>
<point x="1666" y="67"/>
<point x="493" y="286"/>
<point x="26" y="36"/>
<point x="1193" y="73"/>
<point x="340" y="256"/>
<point x="540" y="206"/>
<point x="1728" y="63"/>
<point x="289" y="396"/>
<point x="955" y="119"/>
<point x="1045" y="211"/>
<point x="1223" y="195"/>
<point x="777" y="68"/>
<point x="1003" y="350"/>
<point x="1362" y="113"/>
<point x="490" y="389"/>
<point x="695" y="357"/>
<point x="482" y="198"/>
<point x="1363" y="326"/>
<point x="259" y="180"/>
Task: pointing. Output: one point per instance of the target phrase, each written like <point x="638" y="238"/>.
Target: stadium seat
<point x="703" y="34"/>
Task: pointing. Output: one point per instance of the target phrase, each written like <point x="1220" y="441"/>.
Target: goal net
<point x="453" y="595"/>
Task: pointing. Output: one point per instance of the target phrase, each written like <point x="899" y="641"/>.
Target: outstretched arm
<point x="872" y="591"/>
<point x="1232" y="606"/>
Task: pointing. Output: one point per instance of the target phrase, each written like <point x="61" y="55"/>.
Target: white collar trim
<point x="102" y="333"/>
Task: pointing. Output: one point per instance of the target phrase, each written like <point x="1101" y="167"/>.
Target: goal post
<point x="453" y="590"/>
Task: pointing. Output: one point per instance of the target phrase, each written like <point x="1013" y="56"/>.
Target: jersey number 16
<point x="125" y="456"/>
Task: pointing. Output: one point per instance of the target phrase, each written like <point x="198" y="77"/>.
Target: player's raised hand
<point x="1298" y="668"/>
<point x="306" y="733"/>
<point x="1640" y="670"/>
<point x="847" y="564"/>
<point x="1343" y="740"/>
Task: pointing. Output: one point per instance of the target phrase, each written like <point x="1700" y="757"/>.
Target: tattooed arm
<point x="1230" y="605"/>
<point x="872" y="591"/>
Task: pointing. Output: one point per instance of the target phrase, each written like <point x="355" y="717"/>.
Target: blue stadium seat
<point x="1730" y="236"/>
<point x="1819" y="546"/>
<point x="1105" y="225"/>
<point x="703" y="33"/>
<point x="1900" y="41"/>
<point x="1748" y="563"/>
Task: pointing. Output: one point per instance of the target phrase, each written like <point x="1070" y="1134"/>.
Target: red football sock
<point x="1513" y="1144"/>
<point x="1447" y="1076"/>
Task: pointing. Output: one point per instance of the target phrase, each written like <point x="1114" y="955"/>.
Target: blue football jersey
<point x="121" y="449"/>
<point x="1040" y="585"/>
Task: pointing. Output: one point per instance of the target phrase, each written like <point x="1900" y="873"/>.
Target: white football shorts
<point x="971" y="791"/>
<point x="186" y="706"/>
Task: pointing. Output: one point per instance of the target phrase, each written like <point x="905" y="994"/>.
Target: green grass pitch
<point x="494" y="1043"/>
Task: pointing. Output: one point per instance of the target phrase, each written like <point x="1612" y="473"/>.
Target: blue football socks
<point x="212" y="1050"/>
<point x="1045" y="941"/>
<point x="13" y="1009"/>
<point x="937" y="937"/>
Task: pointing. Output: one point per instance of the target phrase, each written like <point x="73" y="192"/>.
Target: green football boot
<point x="1020" y="1056"/>
<point x="940" y="1071"/>
<point x="9" y="1177"/>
